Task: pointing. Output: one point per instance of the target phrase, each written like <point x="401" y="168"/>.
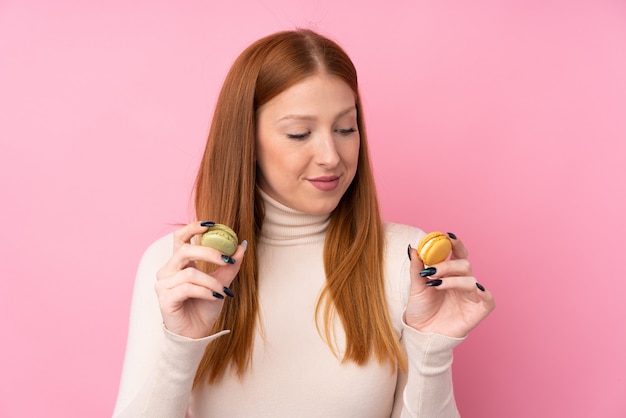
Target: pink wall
<point x="504" y="122"/>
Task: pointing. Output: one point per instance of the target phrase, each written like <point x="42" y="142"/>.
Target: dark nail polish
<point x="228" y="259"/>
<point x="229" y="292"/>
<point x="480" y="286"/>
<point x="428" y="272"/>
<point x="218" y="295"/>
<point x="451" y="235"/>
<point x="434" y="283"/>
<point x="409" y="251"/>
<point x="207" y="223"/>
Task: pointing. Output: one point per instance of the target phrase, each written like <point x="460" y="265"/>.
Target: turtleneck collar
<point x="285" y="226"/>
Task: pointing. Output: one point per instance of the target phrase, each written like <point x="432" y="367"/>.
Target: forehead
<point x="318" y="96"/>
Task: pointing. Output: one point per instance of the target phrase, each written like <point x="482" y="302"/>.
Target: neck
<point x="285" y="226"/>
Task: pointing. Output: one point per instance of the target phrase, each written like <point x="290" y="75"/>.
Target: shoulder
<point x="155" y="256"/>
<point x="159" y="250"/>
<point x="402" y="235"/>
<point x="397" y="239"/>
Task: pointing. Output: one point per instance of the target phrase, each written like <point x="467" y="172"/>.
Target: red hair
<point x="226" y="191"/>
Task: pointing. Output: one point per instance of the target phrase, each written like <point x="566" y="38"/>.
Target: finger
<point x="458" y="248"/>
<point x="187" y="254"/>
<point x="467" y="285"/>
<point x="190" y="283"/>
<point x="457" y="267"/>
<point x="418" y="283"/>
<point x="186" y="233"/>
<point x="175" y="274"/>
<point x="416" y="263"/>
<point x="486" y="296"/>
<point x="189" y="275"/>
<point x="227" y="273"/>
<point x="173" y="298"/>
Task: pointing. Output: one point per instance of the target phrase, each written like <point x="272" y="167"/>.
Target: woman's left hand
<point x="453" y="307"/>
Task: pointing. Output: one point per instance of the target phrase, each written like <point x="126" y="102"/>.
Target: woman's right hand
<point x="191" y="300"/>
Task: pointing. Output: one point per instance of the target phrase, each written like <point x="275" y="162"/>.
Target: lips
<point x="325" y="183"/>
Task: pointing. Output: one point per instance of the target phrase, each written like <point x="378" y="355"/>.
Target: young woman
<point x="321" y="311"/>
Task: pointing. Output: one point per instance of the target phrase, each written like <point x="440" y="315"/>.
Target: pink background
<point x="502" y="121"/>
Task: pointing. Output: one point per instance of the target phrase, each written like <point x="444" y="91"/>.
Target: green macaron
<point x="222" y="238"/>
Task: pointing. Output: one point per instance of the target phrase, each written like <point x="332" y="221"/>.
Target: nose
<point x="326" y="152"/>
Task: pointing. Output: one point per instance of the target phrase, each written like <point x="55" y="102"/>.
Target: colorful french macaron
<point x="434" y="248"/>
<point x="222" y="238"/>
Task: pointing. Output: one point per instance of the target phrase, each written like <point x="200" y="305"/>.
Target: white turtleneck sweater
<point x="294" y="372"/>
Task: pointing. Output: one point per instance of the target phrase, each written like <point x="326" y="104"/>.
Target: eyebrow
<point x="310" y="117"/>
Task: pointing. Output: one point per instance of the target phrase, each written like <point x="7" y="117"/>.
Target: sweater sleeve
<point x="159" y="366"/>
<point x="426" y="389"/>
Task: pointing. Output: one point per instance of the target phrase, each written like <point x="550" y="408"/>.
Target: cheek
<point x="264" y="164"/>
<point x="274" y="162"/>
<point x="351" y="154"/>
<point x="265" y="152"/>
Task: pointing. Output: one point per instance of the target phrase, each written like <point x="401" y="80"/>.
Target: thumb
<point x="416" y="266"/>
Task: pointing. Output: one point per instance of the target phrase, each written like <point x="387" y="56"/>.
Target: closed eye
<point x="298" y="136"/>
<point x="346" y="132"/>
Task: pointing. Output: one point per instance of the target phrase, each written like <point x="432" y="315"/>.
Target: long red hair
<point x="225" y="191"/>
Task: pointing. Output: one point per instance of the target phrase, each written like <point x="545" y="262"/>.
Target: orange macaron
<point x="434" y="248"/>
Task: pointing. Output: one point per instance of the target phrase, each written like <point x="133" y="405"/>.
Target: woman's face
<point x="308" y="144"/>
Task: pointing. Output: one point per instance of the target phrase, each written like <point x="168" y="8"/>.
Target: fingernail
<point x="409" y="251"/>
<point x="244" y="244"/>
<point x="229" y="292"/>
<point x="207" y="223"/>
<point x="228" y="259"/>
<point x="218" y="295"/>
<point x="451" y="235"/>
<point x="434" y="283"/>
<point x="428" y="272"/>
<point x="480" y="286"/>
